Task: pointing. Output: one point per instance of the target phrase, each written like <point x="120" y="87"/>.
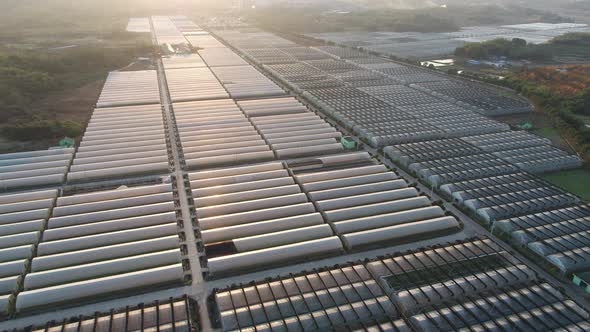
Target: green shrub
<point x="42" y="129"/>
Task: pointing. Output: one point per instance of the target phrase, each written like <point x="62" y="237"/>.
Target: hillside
<point x="561" y="80"/>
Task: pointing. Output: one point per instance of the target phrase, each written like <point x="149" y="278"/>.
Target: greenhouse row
<point x="246" y="82"/>
<point x="166" y="32"/>
<point x="34" y="168"/>
<point x="60" y="248"/>
<point x="185" y="25"/>
<point x="251" y="216"/>
<point x="450" y="160"/>
<point x="255" y="216"/>
<point x="214" y="73"/>
<point x="455" y="121"/>
<point x="482" y="99"/>
<point x="315" y="300"/>
<point x="446" y="161"/>
<point x="367" y="204"/>
<point x="345" y="89"/>
<point x="254" y="38"/>
<point x="224" y="132"/>
<point x="270" y="56"/>
<point x="469" y="285"/>
<point x="124" y="88"/>
<point x="174" y="31"/>
<point x="105" y="242"/>
<point x="471" y="95"/>
<point x="216" y="133"/>
<point x="482" y="182"/>
<point x="560" y="236"/>
<point x="180" y="61"/>
<point x="529" y="152"/>
<point x="120" y="142"/>
<point x="204" y="41"/>
<point x="221" y="56"/>
<point x="167" y="315"/>
<point x="535" y="213"/>
<point x="290" y="129"/>
<point x="194" y="84"/>
<point x="22" y="219"/>
<point x="474" y="285"/>
<point x="406" y="154"/>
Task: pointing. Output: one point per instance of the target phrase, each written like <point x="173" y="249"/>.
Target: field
<point x="552" y="134"/>
<point x="576" y="181"/>
<point x="542" y="126"/>
<point x="46" y="95"/>
<point x="52" y="67"/>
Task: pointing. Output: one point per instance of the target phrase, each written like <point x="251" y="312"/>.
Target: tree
<point x="519" y="42"/>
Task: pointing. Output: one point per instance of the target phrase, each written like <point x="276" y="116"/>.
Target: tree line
<point x="518" y="49"/>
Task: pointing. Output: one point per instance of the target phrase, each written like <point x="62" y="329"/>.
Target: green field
<point x="576" y="181"/>
<point x="585" y="118"/>
<point x="547" y="132"/>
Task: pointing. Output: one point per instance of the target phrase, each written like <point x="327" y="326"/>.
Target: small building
<point x="348" y="142"/>
<point x="582" y="279"/>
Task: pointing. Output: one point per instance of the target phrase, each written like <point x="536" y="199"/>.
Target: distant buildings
<point x="243" y="4"/>
<point x="291" y="3"/>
